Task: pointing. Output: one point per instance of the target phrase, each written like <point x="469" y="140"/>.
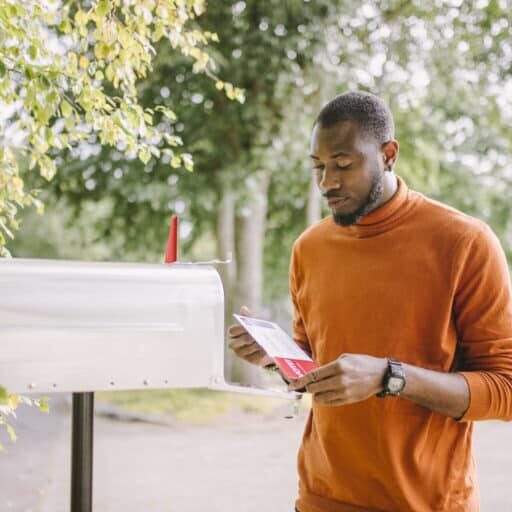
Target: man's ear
<point x="390" y="153"/>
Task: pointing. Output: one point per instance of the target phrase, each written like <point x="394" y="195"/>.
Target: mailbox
<point x="80" y="327"/>
<point x="89" y="326"/>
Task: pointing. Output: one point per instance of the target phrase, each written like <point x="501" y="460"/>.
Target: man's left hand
<point x="350" y="378"/>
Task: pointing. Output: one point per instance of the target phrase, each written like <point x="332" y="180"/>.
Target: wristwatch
<point x="394" y="379"/>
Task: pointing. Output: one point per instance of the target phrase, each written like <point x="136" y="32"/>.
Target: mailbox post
<point x="82" y="448"/>
<point x="80" y="327"/>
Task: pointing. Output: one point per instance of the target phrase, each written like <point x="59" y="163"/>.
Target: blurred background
<point x="444" y="67"/>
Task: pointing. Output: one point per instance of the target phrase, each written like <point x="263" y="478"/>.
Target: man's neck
<point x="390" y="186"/>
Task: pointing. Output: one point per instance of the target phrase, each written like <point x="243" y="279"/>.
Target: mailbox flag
<point x="171" y="251"/>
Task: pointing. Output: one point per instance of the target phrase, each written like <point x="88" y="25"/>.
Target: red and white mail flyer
<point x="292" y="360"/>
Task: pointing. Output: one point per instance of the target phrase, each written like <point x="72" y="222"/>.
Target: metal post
<point x="82" y="452"/>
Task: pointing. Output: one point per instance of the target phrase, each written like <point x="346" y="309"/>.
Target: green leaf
<point x="187" y="161"/>
<point x="101" y="50"/>
<point x="43" y="405"/>
<point x="4" y="396"/>
<point x="3" y="69"/>
<point x="47" y="168"/>
<point x="33" y="52"/>
<point x="167" y="112"/>
<point x="13" y="401"/>
<point x="81" y="18"/>
<point x="103" y="8"/>
<point x="144" y="155"/>
<point x="66" y="108"/>
<point x="69" y="122"/>
<point x="45" y="83"/>
<point x="175" y="162"/>
<point x="29" y="73"/>
<point x="65" y="27"/>
<point x="11" y="432"/>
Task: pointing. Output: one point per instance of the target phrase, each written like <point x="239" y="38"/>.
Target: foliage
<point x="8" y="406"/>
<point x="445" y="73"/>
<point x="68" y="75"/>
<point x="260" y="49"/>
<point x="443" y="67"/>
<point x="69" y="78"/>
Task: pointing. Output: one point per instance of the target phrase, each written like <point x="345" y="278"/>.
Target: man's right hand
<point x="244" y="345"/>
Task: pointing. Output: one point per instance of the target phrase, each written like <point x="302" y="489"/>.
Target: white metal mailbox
<point x="80" y="327"/>
<point x="88" y="326"/>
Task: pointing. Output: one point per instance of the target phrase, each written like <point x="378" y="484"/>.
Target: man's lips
<point x="337" y="201"/>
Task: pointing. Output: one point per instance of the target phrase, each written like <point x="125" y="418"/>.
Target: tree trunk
<point x="226" y="250"/>
<point x="314" y="206"/>
<point x="226" y="240"/>
<point x="250" y="237"/>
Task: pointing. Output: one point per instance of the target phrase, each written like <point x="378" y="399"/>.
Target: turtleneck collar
<point x="382" y="218"/>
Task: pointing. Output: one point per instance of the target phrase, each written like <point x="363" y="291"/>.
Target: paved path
<point x="243" y="463"/>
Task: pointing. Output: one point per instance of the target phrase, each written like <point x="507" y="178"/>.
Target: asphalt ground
<point x="240" y="463"/>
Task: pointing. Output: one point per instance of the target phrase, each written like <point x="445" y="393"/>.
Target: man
<point x="406" y="306"/>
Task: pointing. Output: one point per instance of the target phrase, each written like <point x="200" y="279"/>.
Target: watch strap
<point x="394" y="369"/>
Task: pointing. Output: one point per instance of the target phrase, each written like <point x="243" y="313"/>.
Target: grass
<point x="191" y="405"/>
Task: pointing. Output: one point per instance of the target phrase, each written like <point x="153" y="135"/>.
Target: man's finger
<point x="328" y="384"/>
<point x="245" y="311"/>
<point x="236" y="330"/>
<point x="316" y="375"/>
<point x="256" y="358"/>
<point x="250" y="349"/>
<point x="327" y="397"/>
<point x="242" y="341"/>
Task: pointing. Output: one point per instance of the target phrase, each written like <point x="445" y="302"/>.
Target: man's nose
<point x="330" y="180"/>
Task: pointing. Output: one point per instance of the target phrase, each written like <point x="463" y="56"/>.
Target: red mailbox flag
<point x="171" y="251"/>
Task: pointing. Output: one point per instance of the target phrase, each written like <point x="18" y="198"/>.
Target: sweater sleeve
<point x="483" y="319"/>
<point x="299" y="331"/>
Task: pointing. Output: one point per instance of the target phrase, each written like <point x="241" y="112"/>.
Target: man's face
<point x="349" y="170"/>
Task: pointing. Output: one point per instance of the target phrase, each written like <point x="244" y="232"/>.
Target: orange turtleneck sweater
<point x="423" y="283"/>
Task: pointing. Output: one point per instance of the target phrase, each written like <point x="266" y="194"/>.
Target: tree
<point x="68" y="74"/>
<point x="69" y="77"/>
<point x="262" y="50"/>
<point x="443" y="70"/>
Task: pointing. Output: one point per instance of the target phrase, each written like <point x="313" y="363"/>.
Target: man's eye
<point x="339" y="165"/>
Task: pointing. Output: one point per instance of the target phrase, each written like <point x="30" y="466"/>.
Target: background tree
<point x="443" y="68"/>
<point x="69" y="75"/>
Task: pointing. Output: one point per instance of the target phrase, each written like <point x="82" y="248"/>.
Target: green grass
<point x="190" y="405"/>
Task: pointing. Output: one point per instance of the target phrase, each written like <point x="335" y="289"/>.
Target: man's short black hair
<point x="369" y="111"/>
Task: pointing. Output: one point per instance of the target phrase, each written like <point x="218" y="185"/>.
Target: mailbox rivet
<point x="166" y="381"/>
<point x="54" y="385"/>
<point x="111" y="382"/>
<point x="146" y="382"/>
<point x="31" y="385"/>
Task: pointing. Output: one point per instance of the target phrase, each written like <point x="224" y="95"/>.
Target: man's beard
<point x="347" y="219"/>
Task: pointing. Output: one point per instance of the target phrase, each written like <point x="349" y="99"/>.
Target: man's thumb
<point x="245" y="311"/>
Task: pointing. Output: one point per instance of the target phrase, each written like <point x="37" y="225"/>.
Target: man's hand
<point x="350" y="378"/>
<point x="244" y="345"/>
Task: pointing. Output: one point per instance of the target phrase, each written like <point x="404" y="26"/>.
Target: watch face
<point x="395" y="384"/>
